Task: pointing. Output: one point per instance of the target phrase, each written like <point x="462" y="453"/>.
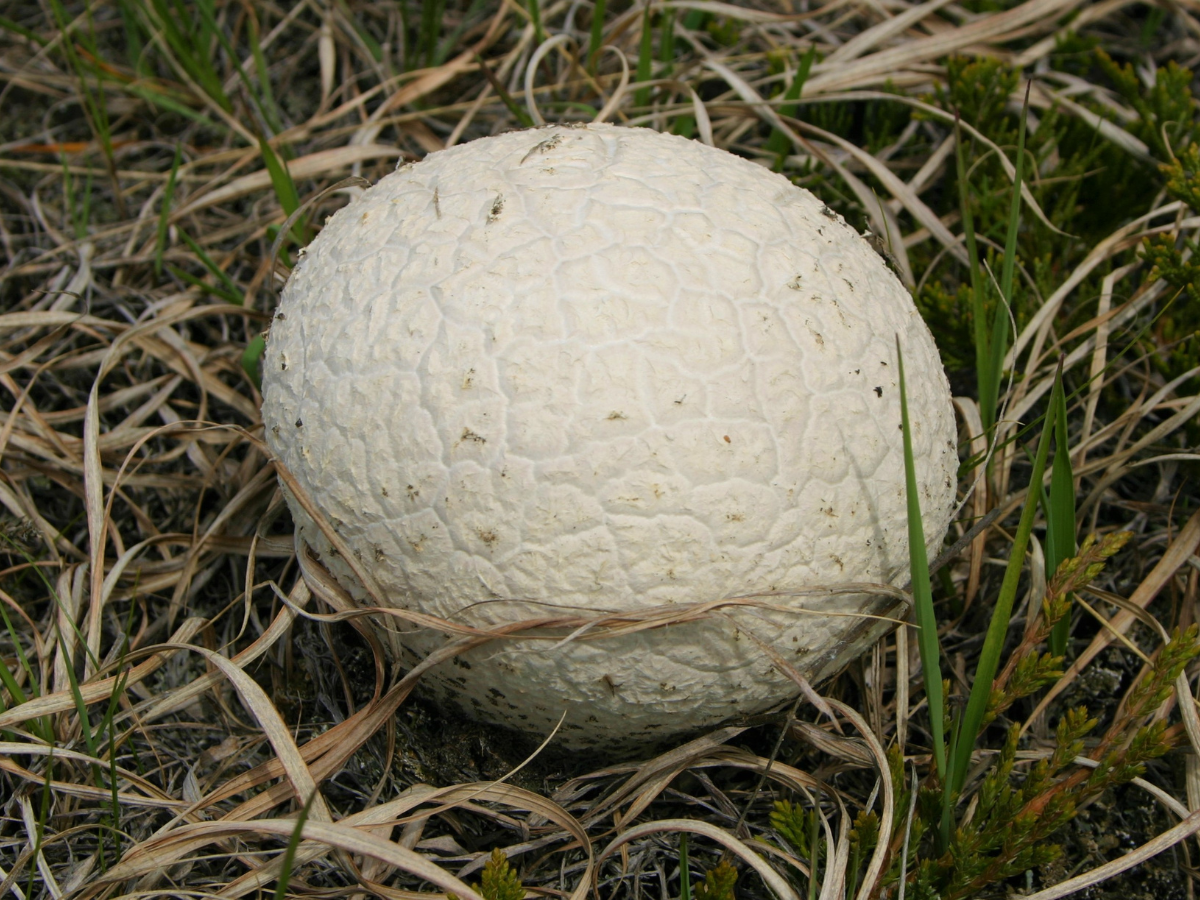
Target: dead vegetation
<point x="179" y="690"/>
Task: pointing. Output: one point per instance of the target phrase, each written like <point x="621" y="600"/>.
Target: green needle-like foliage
<point x="800" y="828"/>
<point x="717" y="884"/>
<point x="1016" y="815"/>
<point x="499" y="880"/>
<point x="922" y="591"/>
<point x="1060" y="513"/>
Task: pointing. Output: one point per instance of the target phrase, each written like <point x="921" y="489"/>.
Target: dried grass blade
<point x="1041" y="320"/>
<point x="678" y="758"/>
<point x="986" y="29"/>
<point x="773" y="879"/>
<point x="1149" y="850"/>
<point x="94" y="692"/>
<point x="879" y="856"/>
<point x="833" y="885"/>
<point x="153" y="799"/>
<point x="880" y="216"/>
<point x="443" y="74"/>
<point x="328" y="752"/>
<point x="264" y="874"/>
<point x="158" y="707"/>
<point x="313" y="165"/>
<point x="993" y="644"/>
<point x="167" y="849"/>
<point x="884" y="31"/>
<point x="898" y="188"/>
<point x="259" y="705"/>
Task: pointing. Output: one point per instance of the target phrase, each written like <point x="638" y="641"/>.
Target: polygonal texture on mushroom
<point x="588" y="369"/>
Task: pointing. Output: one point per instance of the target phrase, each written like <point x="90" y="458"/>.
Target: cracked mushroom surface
<point x="586" y="370"/>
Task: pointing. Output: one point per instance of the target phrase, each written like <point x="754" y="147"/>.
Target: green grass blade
<point x="368" y="41"/>
<point x="160" y="243"/>
<point x="514" y="108"/>
<point x="285" y="188"/>
<point x="252" y="356"/>
<point x="41" y="725"/>
<point x="192" y="52"/>
<point x="685" y="875"/>
<point x="597" y="35"/>
<point x="1060" y="511"/>
<point x="134" y="43"/>
<point x="535" y="19"/>
<point x="215" y="290"/>
<point x="922" y="591"/>
<point x="8" y="24"/>
<point x="231" y="291"/>
<point x="1014" y="213"/>
<point x="983" y="366"/>
<point x="6" y="676"/>
<point x="289" y="855"/>
<point x="69" y="192"/>
<point x="431" y="26"/>
<point x="684" y="126"/>
<point x="261" y="95"/>
<point x="9" y="682"/>
<point x="95" y="106"/>
<point x="946" y="825"/>
<point x="106" y="727"/>
<point x="1000" y="324"/>
<point x="158" y="98"/>
<point x="453" y="35"/>
<point x="666" y="41"/>
<point x="641" y="97"/>
<point x="266" y="97"/>
<point x="993" y="644"/>
<point x="85" y="725"/>
<point x="778" y="143"/>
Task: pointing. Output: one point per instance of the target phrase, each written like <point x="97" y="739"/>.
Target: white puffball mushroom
<point x="592" y="369"/>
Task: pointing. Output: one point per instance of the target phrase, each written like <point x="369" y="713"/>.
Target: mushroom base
<point x="617" y="681"/>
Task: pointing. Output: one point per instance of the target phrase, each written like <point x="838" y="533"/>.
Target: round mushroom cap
<point x="580" y="371"/>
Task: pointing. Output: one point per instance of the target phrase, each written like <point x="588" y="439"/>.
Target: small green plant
<point x="718" y="883"/>
<point x="498" y="881"/>
<point x="1017" y="812"/>
<point x="1059" y="506"/>
<point x="1176" y="340"/>
<point x="289" y="853"/>
<point x="1166" y="110"/>
<point x="1009" y="830"/>
<point x="801" y="828"/>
